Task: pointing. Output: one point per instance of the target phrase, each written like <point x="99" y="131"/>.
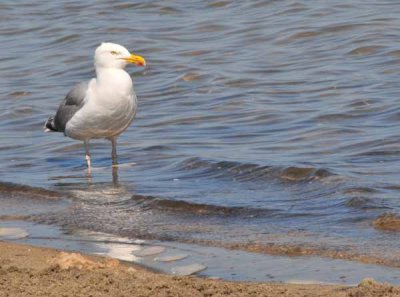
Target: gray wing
<point x="70" y="105"/>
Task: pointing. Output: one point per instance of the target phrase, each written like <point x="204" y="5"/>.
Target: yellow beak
<point x="137" y="60"/>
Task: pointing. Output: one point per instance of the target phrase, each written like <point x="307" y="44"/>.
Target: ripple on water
<point x="252" y="172"/>
<point x="255" y="118"/>
<point x="366" y="50"/>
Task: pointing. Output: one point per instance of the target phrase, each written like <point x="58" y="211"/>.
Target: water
<point x="259" y="123"/>
<point x="206" y="261"/>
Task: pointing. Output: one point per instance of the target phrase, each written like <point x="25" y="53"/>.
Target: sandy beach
<point x="32" y="271"/>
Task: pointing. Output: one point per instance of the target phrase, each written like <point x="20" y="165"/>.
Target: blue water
<point x="270" y="122"/>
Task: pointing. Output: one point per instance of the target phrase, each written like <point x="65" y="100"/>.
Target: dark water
<point x="259" y="121"/>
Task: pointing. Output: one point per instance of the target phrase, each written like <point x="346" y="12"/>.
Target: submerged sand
<point x="33" y="271"/>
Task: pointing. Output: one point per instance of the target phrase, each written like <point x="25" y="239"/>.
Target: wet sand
<point x="33" y="271"/>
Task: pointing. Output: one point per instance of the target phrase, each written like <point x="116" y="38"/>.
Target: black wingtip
<point x="49" y="125"/>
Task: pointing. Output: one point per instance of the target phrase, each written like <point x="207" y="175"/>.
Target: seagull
<point x="102" y="107"/>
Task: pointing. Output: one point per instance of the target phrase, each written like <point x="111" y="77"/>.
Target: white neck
<point x="112" y="79"/>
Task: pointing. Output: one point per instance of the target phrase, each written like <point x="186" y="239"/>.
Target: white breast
<point x="110" y="107"/>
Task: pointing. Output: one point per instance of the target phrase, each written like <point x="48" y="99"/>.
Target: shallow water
<point x="209" y="262"/>
<point x="266" y="122"/>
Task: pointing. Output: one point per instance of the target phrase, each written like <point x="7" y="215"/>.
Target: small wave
<point x="340" y="28"/>
<point x="158" y="148"/>
<point x="253" y="172"/>
<point x="188" y="208"/>
<point x="361" y="190"/>
<point x="364" y="203"/>
<point x="305" y="173"/>
<point x="382" y="153"/>
<point x="395" y="53"/>
<point x="22" y="202"/>
<point x="15" y="217"/>
<point x="7" y="188"/>
<point x="387" y="222"/>
<point x="302" y="35"/>
<point x="364" y="198"/>
<point x="365" y="50"/>
<point x="66" y="39"/>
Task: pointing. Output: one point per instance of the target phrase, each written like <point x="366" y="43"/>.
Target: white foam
<point x="171" y="258"/>
<point x="13" y="233"/>
<point x="188" y="269"/>
<point x="149" y="251"/>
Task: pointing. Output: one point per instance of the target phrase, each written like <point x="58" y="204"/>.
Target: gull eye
<point x="114" y="53"/>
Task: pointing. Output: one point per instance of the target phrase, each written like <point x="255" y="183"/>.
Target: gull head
<point x="112" y="55"/>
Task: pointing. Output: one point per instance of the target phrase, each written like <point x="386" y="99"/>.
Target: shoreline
<point x="37" y="271"/>
<point x="385" y="222"/>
